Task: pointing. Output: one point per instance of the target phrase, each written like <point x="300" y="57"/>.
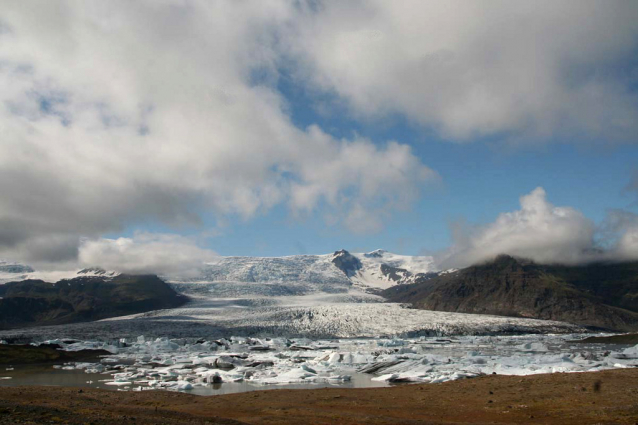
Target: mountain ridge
<point x="597" y="295"/>
<point x="36" y="302"/>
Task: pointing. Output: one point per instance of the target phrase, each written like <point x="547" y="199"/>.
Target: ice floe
<point x="184" y="365"/>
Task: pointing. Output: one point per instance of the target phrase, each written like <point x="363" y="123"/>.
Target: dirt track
<point x="576" y="398"/>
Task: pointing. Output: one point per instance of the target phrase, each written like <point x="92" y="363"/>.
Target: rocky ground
<point x="576" y="398"/>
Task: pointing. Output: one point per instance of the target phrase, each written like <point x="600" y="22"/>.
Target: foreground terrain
<point x="575" y="398"/>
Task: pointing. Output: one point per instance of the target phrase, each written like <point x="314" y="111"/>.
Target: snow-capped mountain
<point x="382" y="269"/>
<point x="329" y="296"/>
<point x="13" y="271"/>
<point x="332" y="273"/>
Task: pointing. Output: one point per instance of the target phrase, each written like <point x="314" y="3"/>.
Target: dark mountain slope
<point x="597" y="295"/>
<point x="37" y="303"/>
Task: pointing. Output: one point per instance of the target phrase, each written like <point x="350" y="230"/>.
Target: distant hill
<point x="37" y="303"/>
<point x="603" y="295"/>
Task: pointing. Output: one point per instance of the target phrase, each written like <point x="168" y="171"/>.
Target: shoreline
<point x="609" y="396"/>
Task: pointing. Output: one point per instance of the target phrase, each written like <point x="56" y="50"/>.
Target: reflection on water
<point x="423" y="359"/>
<point x="47" y="375"/>
<point x="359" y="380"/>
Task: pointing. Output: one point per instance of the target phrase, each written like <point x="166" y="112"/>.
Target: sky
<point x="150" y="135"/>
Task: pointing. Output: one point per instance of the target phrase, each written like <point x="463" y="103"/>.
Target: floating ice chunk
<point x="308" y="369"/>
<point x="387" y="377"/>
<point x="118" y="383"/>
<point x="214" y="378"/>
<point x="97" y="368"/>
<point x="533" y="346"/>
<point x="339" y="378"/>
<point x="334" y="358"/>
<point x="391" y="343"/>
<point x="163" y="344"/>
<point x="184" y="385"/>
<point x="631" y="352"/>
<point x="291" y="376"/>
<point x="378" y="366"/>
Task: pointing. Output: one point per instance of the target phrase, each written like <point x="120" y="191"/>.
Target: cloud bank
<point x="146" y="253"/>
<point x="530" y="71"/>
<point x="546" y="234"/>
<point x="124" y="113"/>
<point x="118" y="114"/>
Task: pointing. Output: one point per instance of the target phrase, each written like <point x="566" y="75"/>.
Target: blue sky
<point x="479" y="180"/>
<point x="478" y="183"/>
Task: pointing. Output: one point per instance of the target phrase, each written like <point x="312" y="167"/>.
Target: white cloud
<point x="538" y="231"/>
<point x="620" y="235"/>
<point x="627" y="247"/>
<point x="521" y="70"/>
<point x="145" y="253"/>
<point x="120" y="113"/>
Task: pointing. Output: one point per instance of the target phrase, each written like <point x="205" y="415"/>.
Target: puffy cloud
<point x="145" y="253"/>
<point x="627" y="247"/>
<point x="619" y="234"/>
<point x="128" y="112"/>
<point x="532" y="71"/>
<point x="538" y="231"/>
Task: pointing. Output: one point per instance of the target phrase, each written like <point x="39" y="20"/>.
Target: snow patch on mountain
<point x="317" y="296"/>
<point x="299" y="274"/>
<point x="15" y="272"/>
<point x="381" y="269"/>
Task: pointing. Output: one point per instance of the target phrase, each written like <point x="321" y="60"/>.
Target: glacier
<point x="314" y="296"/>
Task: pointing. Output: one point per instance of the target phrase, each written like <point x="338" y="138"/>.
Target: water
<point x="47" y="375"/>
<point x="158" y="364"/>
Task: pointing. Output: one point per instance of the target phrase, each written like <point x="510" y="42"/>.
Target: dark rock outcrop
<point x="37" y="303"/>
<point x="402" y="276"/>
<point x="27" y="354"/>
<point x="346" y="262"/>
<point x="599" y="295"/>
<point x="395" y="274"/>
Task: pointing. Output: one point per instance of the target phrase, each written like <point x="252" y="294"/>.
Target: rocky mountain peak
<point x="377" y="253"/>
<point x="346" y="262"/>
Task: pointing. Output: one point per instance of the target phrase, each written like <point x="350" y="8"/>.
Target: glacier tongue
<point x="303" y="295"/>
